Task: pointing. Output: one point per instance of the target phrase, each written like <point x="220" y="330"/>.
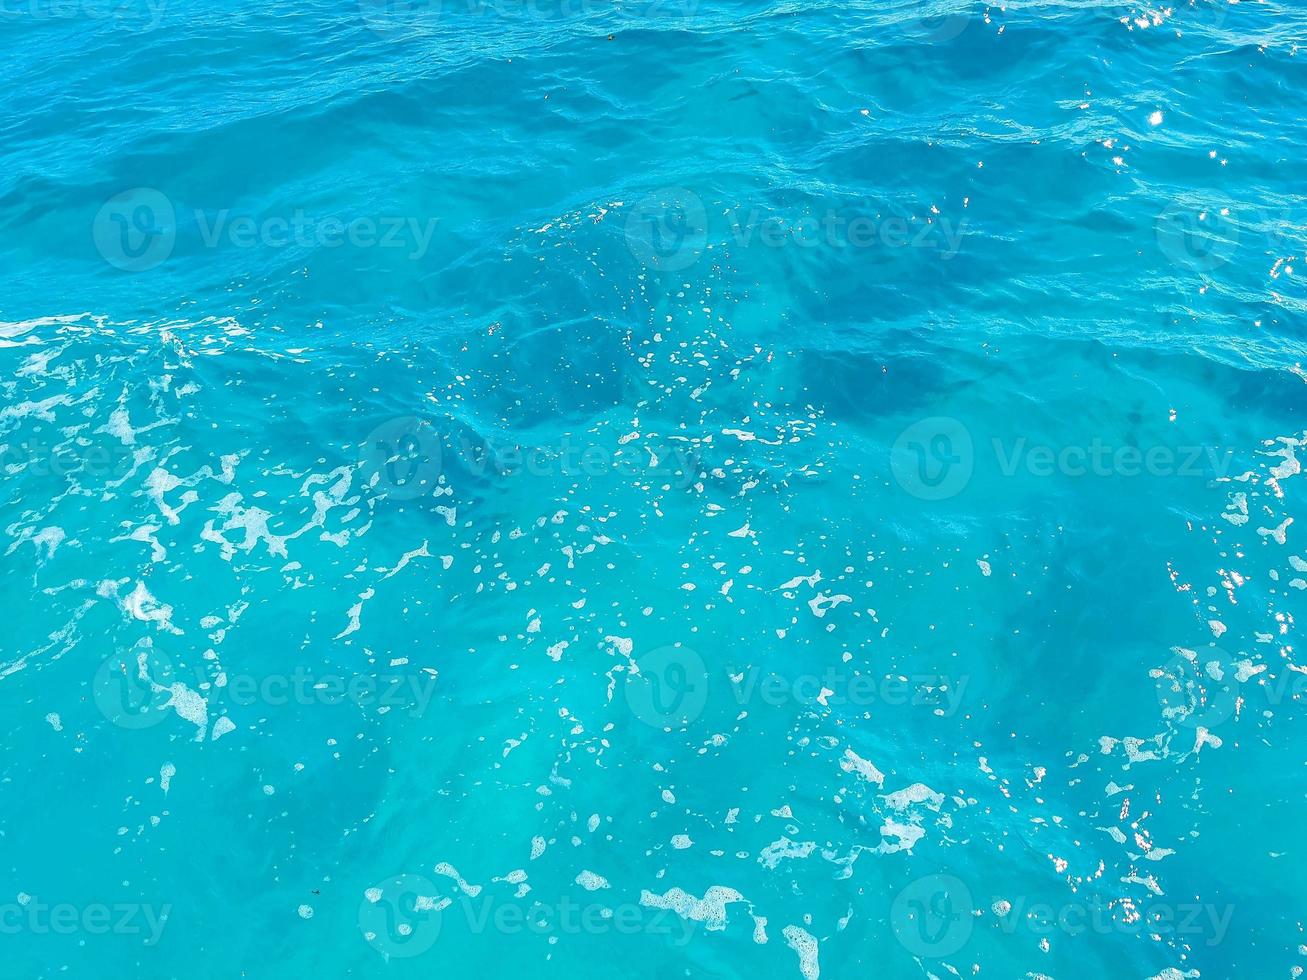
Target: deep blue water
<point x="705" y="489"/>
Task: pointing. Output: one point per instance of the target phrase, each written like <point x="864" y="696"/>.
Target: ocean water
<point x="680" y="488"/>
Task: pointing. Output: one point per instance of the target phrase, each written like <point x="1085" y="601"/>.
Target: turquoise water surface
<point x="653" y="489"/>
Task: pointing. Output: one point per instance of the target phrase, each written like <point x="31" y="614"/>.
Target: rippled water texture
<point x="705" y="489"/>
